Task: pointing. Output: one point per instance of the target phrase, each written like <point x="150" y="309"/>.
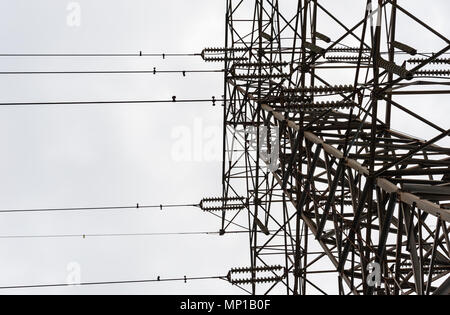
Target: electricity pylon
<point x="335" y="199"/>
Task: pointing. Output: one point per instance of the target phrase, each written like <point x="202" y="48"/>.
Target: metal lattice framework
<point x="345" y="192"/>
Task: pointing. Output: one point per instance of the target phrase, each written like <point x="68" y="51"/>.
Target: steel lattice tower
<point x="328" y="189"/>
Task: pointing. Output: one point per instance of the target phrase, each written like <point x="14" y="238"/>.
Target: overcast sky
<point x="68" y="156"/>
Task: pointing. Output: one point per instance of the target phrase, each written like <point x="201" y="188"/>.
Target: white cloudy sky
<point x="120" y="155"/>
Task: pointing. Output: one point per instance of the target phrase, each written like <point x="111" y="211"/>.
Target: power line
<point x="81" y="209"/>
<point x="37" y="286"/>
<point x="84" y="236"/>
<point x="140" y="54"/>
<point x="113" y="235"/>
<point x="109" y="72"/>
<point x="174" y="100"/>
<point x="109" y="208"/>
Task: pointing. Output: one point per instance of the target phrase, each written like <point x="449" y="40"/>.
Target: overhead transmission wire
<point x="185" y="279"/>
<point x="106" y="208"/>
<point x="110" y="208"/>
<point x="140" y="54"/>
<point x="101" y="283"/>
<point x="113" y="235"/>
<point x="154" y="72"/>
<point x="112" y="102"/>
<point x="117" y="235"/>
<point x="137" y="207"/>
